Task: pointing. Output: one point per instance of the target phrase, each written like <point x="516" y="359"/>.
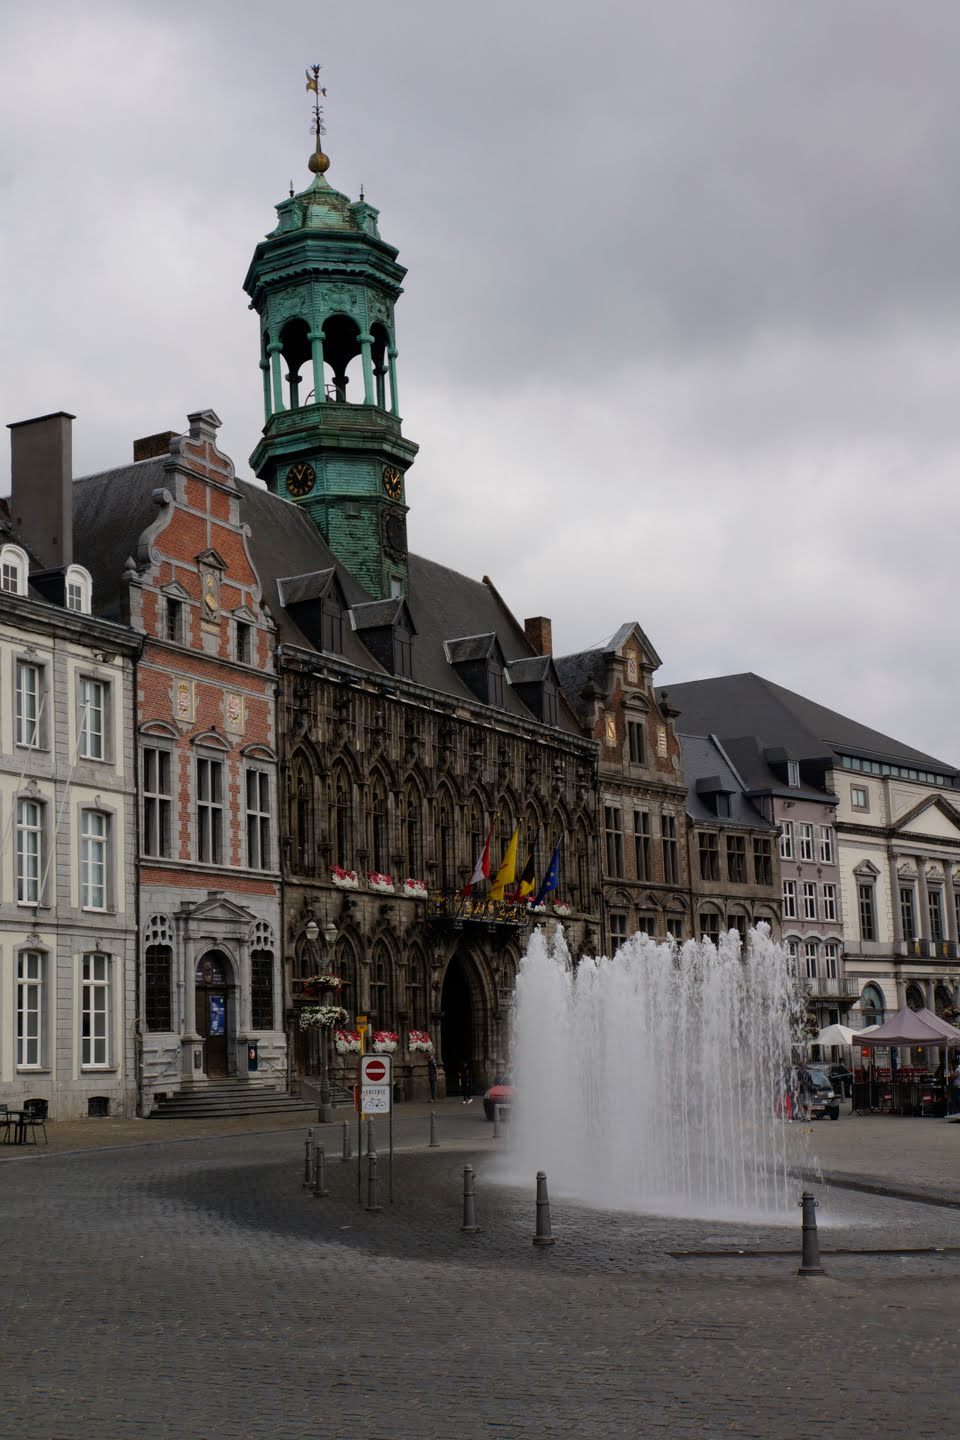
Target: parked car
<point x="819" y="1093"/>
<point x="842" y="1080"/>
<point x="500" y="1093"/>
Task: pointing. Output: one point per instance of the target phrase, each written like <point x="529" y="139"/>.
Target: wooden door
<point x="212" y="1015"/>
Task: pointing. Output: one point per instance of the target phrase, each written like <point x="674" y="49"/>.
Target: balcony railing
<point x="448" y="910"/>
<point x="833" y="987"/>
<point x="929" y="949"/>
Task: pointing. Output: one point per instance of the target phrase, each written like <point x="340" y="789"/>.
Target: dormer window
<point x="478" y="660"/>
<point x="402" y="652"/>
<point x="78" y="589"/>
<point x="495" y="684"/>
<point x="332" y="624"/>
<point x="316" y="603"/>
<point x="13" y="570"/>
<point x="386" y="628"/>
<point x="793" y="774"/>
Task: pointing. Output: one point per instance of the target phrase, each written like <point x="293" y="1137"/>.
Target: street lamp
<point x="312" y="932"/>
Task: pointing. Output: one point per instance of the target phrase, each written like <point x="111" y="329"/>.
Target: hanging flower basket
<point x="559" y="908"/>
<point x="312" y="985"/>
<point x="321" y="1017"/>
<point x="344" y="879"/>
<point x="383" y="883"/>
<point x="420" y="1040"/>
<point x="414" y="889"/>
<point x="347" y="1041"/>
<point x="536" y="909"/>
<point x="384" y="1041"/>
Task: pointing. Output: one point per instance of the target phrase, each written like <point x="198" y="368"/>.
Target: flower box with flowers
<point x="535" y="909"/>
<point x="420" y="1040"/>
<point x="344" y="879"/>
<point x="311" y="986"/>
<point x="347" y="1041"/>
<point x="559" y="908"/>
<point x="384" y="1041"/>
<point x="383" y="883"/>
<point x="321" y="1017"/>
<point x="414" y="889"/>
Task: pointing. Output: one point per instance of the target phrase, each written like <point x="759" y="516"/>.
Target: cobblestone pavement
<point x="196" y="1290"/>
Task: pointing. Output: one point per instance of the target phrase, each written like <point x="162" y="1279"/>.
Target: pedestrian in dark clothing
<point x="466" y="1084"/>
<point x="432" y="1076"/>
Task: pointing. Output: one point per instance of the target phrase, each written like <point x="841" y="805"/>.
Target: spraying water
<point x="651" y="1081"/>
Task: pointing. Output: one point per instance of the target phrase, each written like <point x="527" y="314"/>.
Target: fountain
<point x="650" y="1081"/>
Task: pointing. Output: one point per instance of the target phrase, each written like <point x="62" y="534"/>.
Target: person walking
<point x="466" y="1084"/>
<point x="432" y="1075"/>
<point x="955" y="1085"/>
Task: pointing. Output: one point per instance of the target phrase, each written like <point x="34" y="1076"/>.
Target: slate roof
<point x="111" y="510"/>
<point x="574" y="672"/>
<point x="735" y="706"/>
<point x="706" y="769"/>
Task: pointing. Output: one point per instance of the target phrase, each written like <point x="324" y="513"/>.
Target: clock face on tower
<point x="395" y="533"/>
<point x="392" y="482"/>
<point x="300" y="479"/>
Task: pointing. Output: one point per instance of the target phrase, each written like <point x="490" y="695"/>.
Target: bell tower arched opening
<point x="295" y="352"/>
<point x="341" y="346"/>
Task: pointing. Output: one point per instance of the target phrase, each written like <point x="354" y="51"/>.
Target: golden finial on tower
<point x="318" y="162"/>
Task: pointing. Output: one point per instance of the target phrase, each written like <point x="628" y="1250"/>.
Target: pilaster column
<point x="898" y="934"/>
<point x="243" y="1008"/>
<point x="294" y="382"/>
<point x="274" y="349"/>
<point x="189" y="992"/>
<point x="366" y="340"/>
<point x="394" y="399"/>
<point x="950" y="900"/>
<point x="924" y="917"/>
<point x="265" y="370"/>
<point x="316" y="353"/>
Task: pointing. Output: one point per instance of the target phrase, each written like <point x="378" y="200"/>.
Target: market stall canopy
<point x="910" y="1027"/>
<point x="835" y="1035"/>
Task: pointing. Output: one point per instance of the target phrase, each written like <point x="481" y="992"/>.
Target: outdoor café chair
<point x="34" y="1115"/>
<point x="5" y="1123"/>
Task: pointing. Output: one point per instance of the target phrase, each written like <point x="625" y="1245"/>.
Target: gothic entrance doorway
<point x="214" y="984"/>
<point x="464" y="1028"/>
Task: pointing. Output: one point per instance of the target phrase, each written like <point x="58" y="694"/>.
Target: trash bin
<point x="253" y="1054"/>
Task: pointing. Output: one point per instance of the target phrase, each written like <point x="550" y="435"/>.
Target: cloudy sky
<point x="680" y="340"/>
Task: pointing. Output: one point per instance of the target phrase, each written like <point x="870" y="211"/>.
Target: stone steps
<point x="224" y="1098"/>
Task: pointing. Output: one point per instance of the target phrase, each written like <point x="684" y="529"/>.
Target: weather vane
<point x="318" y="162"/>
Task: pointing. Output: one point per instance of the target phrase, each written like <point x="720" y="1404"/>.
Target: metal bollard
<point x="308" y="1160"/>
<point x="319" y="1173"/>
<point x="347" y="1147"/>
<point x="373" y="1185"/>
<point x="543" y="1235"/>
<point x="469" y="1226"/>
<point x="497" y="1121"/>
<point x="810" y="1252"/>
<point x="371" y="1139"/>
<point x="434" y="1142"/>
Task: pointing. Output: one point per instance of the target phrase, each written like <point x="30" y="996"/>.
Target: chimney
<point x="539" y="633"/>
<point x="41" y="495"/>
<point x="150" y="446"/>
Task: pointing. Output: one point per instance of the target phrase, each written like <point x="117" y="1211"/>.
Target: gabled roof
<point x="617" y="641"/>
<point x="707" y="770"/>
<point x="532" y="671"/>
<point x="473" y="647"/>
<point x="377" y="614"/>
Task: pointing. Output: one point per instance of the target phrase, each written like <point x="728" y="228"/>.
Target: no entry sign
<point x="374" y="1070"/>
<point x="376" y="1089"/>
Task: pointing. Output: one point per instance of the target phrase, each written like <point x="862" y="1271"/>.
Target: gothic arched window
<point x="302" y="847"/>
<point x="413" y="832"/>
<point x="381" y="987"/>
<point x="341" y="819"/>
<point x="379" y="826"/>
<point x="157" y="973"/>
<point x="445" y="842"/>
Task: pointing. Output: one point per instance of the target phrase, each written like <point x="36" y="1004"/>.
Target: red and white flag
<point x="481" y="871"/>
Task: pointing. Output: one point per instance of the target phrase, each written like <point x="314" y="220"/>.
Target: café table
<point x="17" y="1125"/>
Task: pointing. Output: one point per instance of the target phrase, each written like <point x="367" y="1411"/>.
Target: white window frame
<point x="829" y="900"/>
<point x="831" y="957"/>
<point x="806" y="841"/>
<point x="826" y="845"/>
<point x="259" y="836"/>
<point x="14" y="568"/>
<point x="95" y="1007"/>
<point x="93" y="697"/>
<point x="94" y="860"/>
<point x="790" y="900"/>
<point x="78" y="590"/>
<point x="863" y="790"/>
<point x="786" y="839"/>
<point x="29" y="824"/>
<point x="209" y="778"/>
<point x="793" y="774"/>
<point x="31" y="1003"/>
<point x="811" y="959"/>
<point x="809" y="898"/>
<point x="29" y="704"/>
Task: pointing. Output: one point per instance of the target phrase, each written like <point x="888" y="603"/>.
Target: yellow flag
<point x="508" y="868"/>
<point x="311" y="82"/>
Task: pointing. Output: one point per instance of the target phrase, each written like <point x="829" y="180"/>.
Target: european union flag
<point x="552" y="878"/>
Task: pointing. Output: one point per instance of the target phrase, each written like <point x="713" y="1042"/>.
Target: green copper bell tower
<point x="324" y="285"/>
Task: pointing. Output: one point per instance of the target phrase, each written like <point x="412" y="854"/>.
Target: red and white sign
<point x="374" y="1070"/>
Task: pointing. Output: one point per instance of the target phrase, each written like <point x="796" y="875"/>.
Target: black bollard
<point x="434" y="1142"/>
<point x="543" y="1235"/>
<point x="347" y="1147"/>
<point x="371" y="1138"/>
<point x="810" y="1252"/>
<point x="469" y="1226"/>
<point x="319" y="1173"/>
<point x="308" y="1160"/>
<point x="373" y="1185"/>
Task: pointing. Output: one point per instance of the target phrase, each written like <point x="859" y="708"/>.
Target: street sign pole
<point x="376" y="1094"/>
<point x="362" y="1023"/>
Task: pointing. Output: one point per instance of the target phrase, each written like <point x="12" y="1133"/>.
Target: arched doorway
<point x="457" y="1028"/>
<point x="215" y="1022"/>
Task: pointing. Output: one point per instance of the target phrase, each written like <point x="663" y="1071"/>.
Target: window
<point x="646" y="924"/>
<point x="871" y="1005"/>
<point x="868" y="911"/>
<point x="613" y="837"/>
<point x="30" y="1009"/>
<point x="826" y="844"/>
<point x="859" y="797"/>
<point x="935" y="906"/>
<point x="13" y="570"/>
<point x="381" y="972"/>
<point x="94" y="837"/>
<point x="444" y="842"/>
<point x="95" y="1012"/>
<point x="790" y="900"/>
<point x="641" y="845"/>
<point x="793" y="955"/>
<point x="829" y="897"/>
<point x="301" y="816"/>
<point x="379" y="828"/>
<point x="332" y="625"/>
<point x="157" y="963"/>
<point x="343" y="820"/>
<point x="636" y="740"/>
<point x="77" y="589"/>
<point x="92" y="718"/>
<point x="806" y="842"/>
<point x="261" y="989"/>
<point x="241" y="642"/>
<point x="709" y="855"/>
<point x="618" y="929"/>
<point x="908" y="913"/>
<point x="670" y="849"/>
<point x="786" y="839"/>
<point x="29" y="851"/>
<point x="737" y="859"/>
<point x="495" y="685"/>
<point x="74" y="596"/>
<point x="831" y="952"/>
<point x="710" y="925"/>
<point x="793" y="774"/>
<point x="762" y="862"/>
<point x="809" y="900"/>
<point x="738" y="922"/>
<point x="157" y="802"/>
<point x="675" y="927"/>
<point x="209" y="811"/>
<point x="173" y="619"/>
<point x="403" y="665"/>
<point x="413" y="834"/>
<point x="810" y="949"/>
<point x="721" y="805"/>
<point x="29" y="704"/>
<point x="258" y="819"/>
<point x="418" y="985"/>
